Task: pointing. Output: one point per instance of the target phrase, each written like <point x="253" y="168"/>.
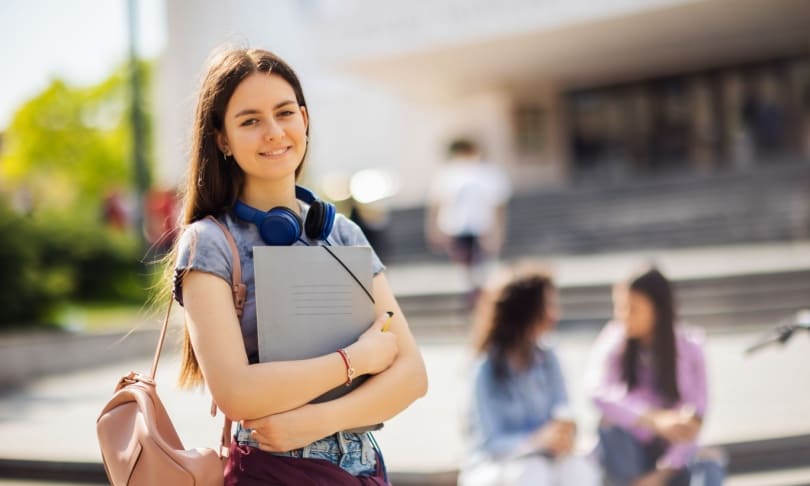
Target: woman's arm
<point x="488" y="427"/>
<point x="378" y="399"/>
<point x="390" y="392"/>
<point x="245" y="391"/>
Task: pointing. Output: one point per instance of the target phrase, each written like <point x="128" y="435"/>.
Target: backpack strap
<point x="239" y="291"/>
<point x="238" y="288"/>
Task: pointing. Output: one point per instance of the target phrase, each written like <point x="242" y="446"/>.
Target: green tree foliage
<point x="69" y="145"/>
<point x="66" y="149"/>
<point x="48" y="259"/>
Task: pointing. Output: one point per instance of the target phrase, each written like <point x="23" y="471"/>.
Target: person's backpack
<point x="139" y="444"/>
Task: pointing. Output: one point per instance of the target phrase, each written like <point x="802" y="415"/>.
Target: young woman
<point x="648" y="380"/>
<point x="249" y="143"/>
<point x="519" y="425"/>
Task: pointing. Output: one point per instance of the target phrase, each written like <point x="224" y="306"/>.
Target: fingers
<point x="380" y="324"/>
<point x="265" y="444"/>
<point x="387" y="323"/>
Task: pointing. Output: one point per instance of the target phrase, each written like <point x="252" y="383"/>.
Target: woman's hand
<point x="674" y="425"/>
<point x="286" y="431"/>
<point x="374" y="350"/>
<point x="654" y="478"/>
<point x="556" y="437"/>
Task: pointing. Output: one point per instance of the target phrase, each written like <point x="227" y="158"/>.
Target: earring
<point x="226" y="155"/>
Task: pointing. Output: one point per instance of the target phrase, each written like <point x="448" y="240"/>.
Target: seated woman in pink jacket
<point x="648" y="380"/>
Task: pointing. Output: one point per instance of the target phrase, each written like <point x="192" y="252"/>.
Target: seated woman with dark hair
<point x="520" y="428"/>
<point x="647" y="378"/>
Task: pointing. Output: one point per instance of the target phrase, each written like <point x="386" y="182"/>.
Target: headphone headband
<point x="304" y="194"/>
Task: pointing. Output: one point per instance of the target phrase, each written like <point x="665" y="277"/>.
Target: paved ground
<point x="763" y="396"/>
<point x="757" y="397"/>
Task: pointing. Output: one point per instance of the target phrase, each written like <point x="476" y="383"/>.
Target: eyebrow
<point x="253" y="111"/>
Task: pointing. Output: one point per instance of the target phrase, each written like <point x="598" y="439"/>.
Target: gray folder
<point x="308" y="305"/>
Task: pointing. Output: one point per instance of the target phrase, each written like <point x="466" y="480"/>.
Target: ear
<point x="222" y="143"/>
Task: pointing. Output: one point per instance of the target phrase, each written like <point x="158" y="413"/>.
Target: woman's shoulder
<point x="691" y="338"/>
<point x="202" y="246"/>
<point x="545" y="351"/>
<point x="612" y="334"/>
<point x="347" y="232"/>
<point x="203" y="238"/>
<point x="482" y="369"/>
<point x="206" y="227"/>
<point x="609" y="344"/>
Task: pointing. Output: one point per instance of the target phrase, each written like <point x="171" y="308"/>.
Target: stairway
<point x="756" y="300"/>
<point x="765" y="204"/>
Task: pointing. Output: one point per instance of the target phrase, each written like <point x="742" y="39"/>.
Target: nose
<point x="274" y="131"/>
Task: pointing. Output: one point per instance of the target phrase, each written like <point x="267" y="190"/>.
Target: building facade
<point x="557" y="92"/>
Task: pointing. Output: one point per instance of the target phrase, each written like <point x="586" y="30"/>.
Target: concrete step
<point x="763" y="299"/>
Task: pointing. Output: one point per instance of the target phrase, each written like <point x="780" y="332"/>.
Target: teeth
<point x="277" y="152"/>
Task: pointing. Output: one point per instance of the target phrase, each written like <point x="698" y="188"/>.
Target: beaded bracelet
<point x="348" y="362"/>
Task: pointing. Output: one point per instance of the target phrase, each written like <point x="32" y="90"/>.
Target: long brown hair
<point x="658" y="289"/>
<point x="507" y="317"/>
<point x="213" y="182"/>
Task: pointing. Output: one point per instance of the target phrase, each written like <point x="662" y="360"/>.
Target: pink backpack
<point x="139" y="444"/>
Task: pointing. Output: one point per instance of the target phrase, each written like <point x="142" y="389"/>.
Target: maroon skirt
<point x="249" y="466"/>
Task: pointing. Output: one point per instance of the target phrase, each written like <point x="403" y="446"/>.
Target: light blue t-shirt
<point x="212" y="254"/>
<point x="504" y="413"/>
<point x="207" y="246"/>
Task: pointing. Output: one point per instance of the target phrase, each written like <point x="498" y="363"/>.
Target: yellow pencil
<point x="388" y="322"/>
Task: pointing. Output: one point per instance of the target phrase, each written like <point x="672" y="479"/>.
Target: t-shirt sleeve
<point x="347" y="233"/>
<point x="203" y="247"/>
<point x="558" y="390"/>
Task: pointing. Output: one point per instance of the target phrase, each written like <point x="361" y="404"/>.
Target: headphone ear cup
<point x="329" y="213"/>
<point x="315" y="219"/>
<point x="280" y="227"/>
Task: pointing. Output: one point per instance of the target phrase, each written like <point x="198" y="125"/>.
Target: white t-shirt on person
<point x="468" y="193"/>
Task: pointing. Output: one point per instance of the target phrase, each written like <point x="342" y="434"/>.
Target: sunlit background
<point x="676" y="131"/>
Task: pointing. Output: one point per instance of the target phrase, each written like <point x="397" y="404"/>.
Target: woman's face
<point x="552" y="315"/>
<point x="636" y="311"/>
<point x="265" y="129"/>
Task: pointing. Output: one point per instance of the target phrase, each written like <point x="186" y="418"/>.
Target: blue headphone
<point x="281" y="226"/>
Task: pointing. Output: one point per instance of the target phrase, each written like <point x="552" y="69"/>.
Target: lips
<point x="275" y="153"/>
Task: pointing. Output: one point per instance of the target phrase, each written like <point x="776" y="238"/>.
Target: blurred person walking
<point x="519" y="423"/>
<point x="647" y="378"/>
<point x="466" y="214"/>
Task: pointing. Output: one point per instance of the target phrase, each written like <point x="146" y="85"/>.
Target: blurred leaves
<point x="48" y="261"/>
<point x="69" y="145"/>
<point x="63" y="152"/>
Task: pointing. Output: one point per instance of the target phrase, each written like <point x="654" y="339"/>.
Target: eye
<point x="249" y="122"/>
<point x="286" y="113"/>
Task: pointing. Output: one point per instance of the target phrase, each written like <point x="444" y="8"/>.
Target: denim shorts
<point x="353" y="452"/>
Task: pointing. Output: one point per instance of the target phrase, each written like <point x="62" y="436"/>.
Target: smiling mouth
<point x="275" y="153"/>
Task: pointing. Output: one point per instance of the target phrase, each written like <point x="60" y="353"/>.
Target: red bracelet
<point x="348" y="362"/>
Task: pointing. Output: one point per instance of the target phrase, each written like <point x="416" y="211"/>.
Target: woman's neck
<point x="266" y="195"/>
<point x="519" y="359"/>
